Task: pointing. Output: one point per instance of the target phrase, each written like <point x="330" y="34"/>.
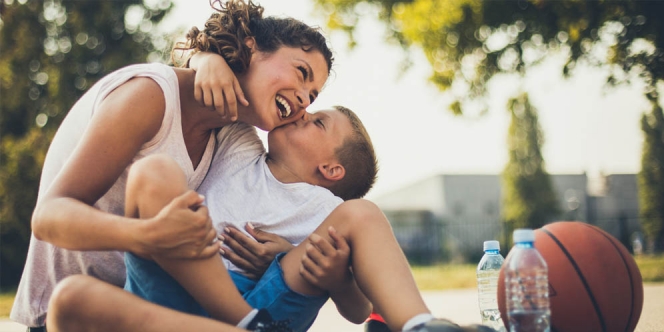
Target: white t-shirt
<point x="240" y="188"/>
<point x="47" y="264"/>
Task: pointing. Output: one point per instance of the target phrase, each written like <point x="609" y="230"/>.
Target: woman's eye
<point x="311" y="99"/>
<point x="304" y="72"/>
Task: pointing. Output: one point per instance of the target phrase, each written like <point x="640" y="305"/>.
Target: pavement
<point x="457" y="305"/>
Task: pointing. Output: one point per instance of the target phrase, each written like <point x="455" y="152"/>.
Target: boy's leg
<point x="373" y="249"/>
<point x="152" y="183"/>
<point x="375" y="326"/>
<point x="375" y="323"/>
<point x="82" y="303"/>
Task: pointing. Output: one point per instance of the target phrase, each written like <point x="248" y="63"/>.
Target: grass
<point x="6" y="302"/>
<point x="443" y="277"/>
<point x="651" y="267"/>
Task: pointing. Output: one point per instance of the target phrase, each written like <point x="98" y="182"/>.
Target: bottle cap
<point x="523" y="235"/>
<point x="491" y="245"/>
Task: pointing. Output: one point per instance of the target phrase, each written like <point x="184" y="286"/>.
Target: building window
<point x="490" y="208"/>
<point x="457" y="209"/>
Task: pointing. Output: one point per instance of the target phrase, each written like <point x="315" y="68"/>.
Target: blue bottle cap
<point x="523" y="235"/>
<point x="491" y="245"/>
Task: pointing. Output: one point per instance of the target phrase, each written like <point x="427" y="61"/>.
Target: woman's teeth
<point x="283" y="106"/>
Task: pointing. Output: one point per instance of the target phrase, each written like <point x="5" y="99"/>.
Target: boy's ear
<point x="250" y="42"/>
<point x="332" y="172"/>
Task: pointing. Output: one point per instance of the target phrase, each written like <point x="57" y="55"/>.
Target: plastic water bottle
<point x="526" y="285"/>
<point x="488" y="271"/>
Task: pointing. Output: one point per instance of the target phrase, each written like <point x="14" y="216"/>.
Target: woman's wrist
<point x="136" y="234"/>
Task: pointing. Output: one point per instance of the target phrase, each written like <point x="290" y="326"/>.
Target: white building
<point x="448" y="216"/>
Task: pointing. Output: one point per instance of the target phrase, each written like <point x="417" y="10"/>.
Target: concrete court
<point x="458" y="305"/>
<point x="461" y="307"/>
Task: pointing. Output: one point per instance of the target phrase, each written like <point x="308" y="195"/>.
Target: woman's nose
<point x="303" y="98"/>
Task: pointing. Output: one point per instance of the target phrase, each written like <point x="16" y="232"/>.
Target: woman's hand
<point x="255" y="255"/>
<point x="182" y="229"/>
<point x="215" y="84"/>
<point x="326" y="265"/>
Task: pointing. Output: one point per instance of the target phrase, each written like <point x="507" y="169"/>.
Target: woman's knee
<point x="67" y="301"/>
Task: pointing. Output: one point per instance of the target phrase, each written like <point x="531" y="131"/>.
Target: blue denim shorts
<point x="146" y="279"/>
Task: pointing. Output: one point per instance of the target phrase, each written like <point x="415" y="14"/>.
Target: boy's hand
<point x="182" y="229"/>
<point x="215" y="84"/>
<point x="326" y="265"/>
<point x="255" y="255"/>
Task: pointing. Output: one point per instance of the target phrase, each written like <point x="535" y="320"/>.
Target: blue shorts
<point x="146" y="279"/>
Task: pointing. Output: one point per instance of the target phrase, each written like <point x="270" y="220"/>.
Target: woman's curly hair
<point x="235" y="20"/>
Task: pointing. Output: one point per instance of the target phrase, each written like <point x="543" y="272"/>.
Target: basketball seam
<point x="581" y="277"/>
<point x="629" y="274"/>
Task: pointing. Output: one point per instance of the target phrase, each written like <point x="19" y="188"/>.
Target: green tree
<point x="528" y="197"/>
<point x="468" y="42"/>
<point x="651" y="177"/>
<point x="51" y="52"/>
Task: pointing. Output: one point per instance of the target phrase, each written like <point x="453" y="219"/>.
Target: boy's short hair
<point x="357" y="156"/>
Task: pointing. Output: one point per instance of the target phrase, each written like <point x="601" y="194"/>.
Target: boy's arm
<point x="215" y="84"/>
<point x="326" y="266"/>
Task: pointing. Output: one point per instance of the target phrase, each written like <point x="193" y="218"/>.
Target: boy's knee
<point x="361" y="211"/>
<point x="148" y="173"/>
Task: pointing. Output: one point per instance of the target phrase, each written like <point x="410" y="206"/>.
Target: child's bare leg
<point x="375" y="253"/>
<point x="82" y="303"/>
<point x="153" y="182"/>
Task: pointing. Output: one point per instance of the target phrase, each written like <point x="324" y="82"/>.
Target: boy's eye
<point x="319" y="123"/>
<point x="304" y="72"/>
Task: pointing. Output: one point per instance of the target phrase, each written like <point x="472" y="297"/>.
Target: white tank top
<point x="47" y="264"/>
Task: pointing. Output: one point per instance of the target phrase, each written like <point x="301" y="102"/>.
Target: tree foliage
<point x="50" y="53"/>
<point x="651" y="178"/>
<point x="529" y="200"/>
<point x="467" y="42"/>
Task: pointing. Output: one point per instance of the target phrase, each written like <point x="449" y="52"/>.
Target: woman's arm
<point x="255" y="255"/>
<point x="128" y="117"/>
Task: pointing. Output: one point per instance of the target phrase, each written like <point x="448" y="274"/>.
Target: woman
<point x="145" y="109"/>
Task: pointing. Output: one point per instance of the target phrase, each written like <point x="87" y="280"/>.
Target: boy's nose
<point x="305" y="116"/>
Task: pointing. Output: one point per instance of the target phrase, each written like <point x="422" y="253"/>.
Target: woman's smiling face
<point x="280" y="86"/>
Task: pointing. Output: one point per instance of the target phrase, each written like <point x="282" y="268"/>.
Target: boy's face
<point x="309" y="141"/>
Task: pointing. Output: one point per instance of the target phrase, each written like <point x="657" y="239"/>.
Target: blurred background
<point x="486" y="115"/>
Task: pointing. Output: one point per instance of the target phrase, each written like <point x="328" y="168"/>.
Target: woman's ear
<point x="332" y="172"/>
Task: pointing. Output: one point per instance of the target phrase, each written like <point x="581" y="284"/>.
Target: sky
<point x="586" y="127"/>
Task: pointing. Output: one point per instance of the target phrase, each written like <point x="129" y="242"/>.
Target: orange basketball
<point x="594" y="283"/>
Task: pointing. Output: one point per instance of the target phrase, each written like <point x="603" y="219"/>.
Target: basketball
<point x="594" y="283"/>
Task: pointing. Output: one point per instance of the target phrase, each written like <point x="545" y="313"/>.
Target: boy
<point x="242" y="175"/>
<point x="282" y="192"/>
